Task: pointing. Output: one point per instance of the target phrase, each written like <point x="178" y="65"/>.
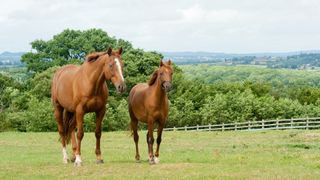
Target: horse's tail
<point x="132" y="124"/>
<point x="129" y="127"/>
<point x="69" y="124"/>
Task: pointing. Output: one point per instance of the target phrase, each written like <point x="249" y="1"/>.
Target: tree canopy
<point x="69" y="46"/>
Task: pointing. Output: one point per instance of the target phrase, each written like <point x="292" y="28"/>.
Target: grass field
<point x="293" y="154"/>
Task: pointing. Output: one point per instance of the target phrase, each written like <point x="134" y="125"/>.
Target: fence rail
<point x="277" y="124"/>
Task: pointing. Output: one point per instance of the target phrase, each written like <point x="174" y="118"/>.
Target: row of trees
<point x="201" y="94"/>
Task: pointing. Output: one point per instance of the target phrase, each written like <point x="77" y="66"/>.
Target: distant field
<point x="290" y="154"/>
<point x="277" y="77"/>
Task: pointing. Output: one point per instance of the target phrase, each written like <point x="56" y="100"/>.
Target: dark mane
<point x="153" y="77"/>
<point x="94" y="56"/>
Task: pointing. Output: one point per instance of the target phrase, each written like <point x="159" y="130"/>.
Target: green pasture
<point x="291" y="154"/>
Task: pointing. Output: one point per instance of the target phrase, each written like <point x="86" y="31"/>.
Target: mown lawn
<point x="293" y="154"/>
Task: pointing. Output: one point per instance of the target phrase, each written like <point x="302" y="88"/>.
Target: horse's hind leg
<point x="160" y="128"/>
<point x="150" y="141"/>
<point x="58" y="113"/>
<point x="134" y="128"/>
<point x="99" y="118"/>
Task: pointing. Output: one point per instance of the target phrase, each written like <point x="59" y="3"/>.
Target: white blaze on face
<point x="119" y="67"/>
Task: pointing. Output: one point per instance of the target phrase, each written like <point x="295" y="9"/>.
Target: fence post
<point x="291" y="123"/>
<point x="185" y="128"/>
<point x="222" y="126"/>
<point x="277" y="124"/>
<point x="174" y="128"/>
<point x="209" y="127"/>
<point x="249" y="125"/>
<point x="307" y="123"/>
<point x="236" y="126"/>
<point x="262" y="124"/>
<point x="197" y="127"/>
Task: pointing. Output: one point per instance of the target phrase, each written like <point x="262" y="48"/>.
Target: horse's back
<point x="138" y="88"/>
<point x="137" y="98"/>
<point x="62" y="85"/>
<point x="138" y="91"/>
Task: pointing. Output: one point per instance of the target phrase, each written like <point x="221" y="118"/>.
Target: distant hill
<point x="300" y="61"/>
<point x="195" y="57"/>
<point x="233" y="58"/>
<point x="296" y="59"/>
<point x="10" y="58"/>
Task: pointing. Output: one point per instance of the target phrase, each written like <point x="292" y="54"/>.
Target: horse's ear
<point x="169" y="62"/>
<point x="161" y="63"/>
<point x="120" y="50"/>
<point x="92" y="57"/>
<point x="109" y="51"/>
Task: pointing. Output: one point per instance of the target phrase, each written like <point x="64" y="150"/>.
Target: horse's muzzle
<point x="166" y="86"/>
<point x="121" y="88"/>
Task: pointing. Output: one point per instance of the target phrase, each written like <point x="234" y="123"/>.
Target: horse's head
<point x="113" y="69"/>
<point x="165" y="73"/>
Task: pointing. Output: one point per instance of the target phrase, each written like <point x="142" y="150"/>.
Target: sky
<point x="231" y="26"/>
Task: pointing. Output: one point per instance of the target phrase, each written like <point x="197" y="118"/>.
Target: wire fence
<point x="277" y="124"/>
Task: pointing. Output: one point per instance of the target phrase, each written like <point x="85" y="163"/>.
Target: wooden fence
<point x="294" y="123"/>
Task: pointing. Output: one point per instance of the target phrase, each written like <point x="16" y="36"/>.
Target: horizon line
<point x="213" y="52"/>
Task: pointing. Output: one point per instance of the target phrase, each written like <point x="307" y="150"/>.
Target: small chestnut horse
<point x="77" y="90"/>
<point x="149" y="103"/>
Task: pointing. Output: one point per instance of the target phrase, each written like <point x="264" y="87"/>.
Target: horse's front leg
<point x="80" y="133"/>
<point x="160" y="128"/>
<point x="74" y="145"/>
<point x="99" y="118"/>
<point x="150" y="141"/>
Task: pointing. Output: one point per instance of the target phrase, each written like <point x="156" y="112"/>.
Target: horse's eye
<point x="110" y="65"/>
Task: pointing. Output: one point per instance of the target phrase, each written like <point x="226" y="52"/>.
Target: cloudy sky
<point x="237" y="26"/>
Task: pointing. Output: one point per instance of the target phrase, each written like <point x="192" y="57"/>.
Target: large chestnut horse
<point x="148" y="102"/>
<point x="77" y="90"/>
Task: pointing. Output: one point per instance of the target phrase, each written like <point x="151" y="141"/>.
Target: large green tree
<point x="69" y="46"/>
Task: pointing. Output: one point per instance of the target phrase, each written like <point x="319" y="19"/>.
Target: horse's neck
<point x="95" y="76"/>
<point x="160" y="94"/>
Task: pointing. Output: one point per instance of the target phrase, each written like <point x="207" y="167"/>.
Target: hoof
<point x="151" y="161"/>
<point x="66" y="161"/>
<point x="100" y="161"/>
<point x="77" y="164"/>
<point x="138" y="159"/>
<point x="73" y="159"/>
<point x="156" y="160"/>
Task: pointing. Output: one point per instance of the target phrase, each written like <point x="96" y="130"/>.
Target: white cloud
<point x="181" y="25"/>
<point x="196" y="14"/>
